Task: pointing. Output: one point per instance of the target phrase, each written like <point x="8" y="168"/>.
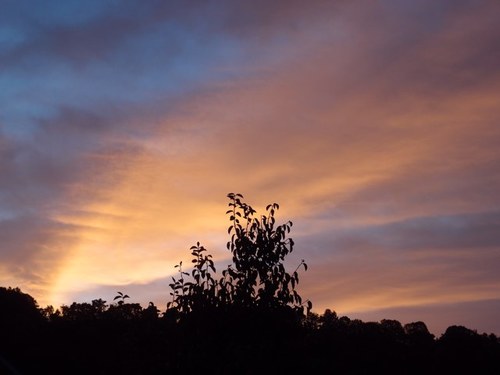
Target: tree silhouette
<point x="248" y="310"/>
<point x="17" y="308"/>
<point x="257" y="279"/>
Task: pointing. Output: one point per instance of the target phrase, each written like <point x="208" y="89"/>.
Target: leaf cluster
<point x="257" y="278"/>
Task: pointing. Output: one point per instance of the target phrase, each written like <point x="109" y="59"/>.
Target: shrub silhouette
<point x="249" y="312"/>
<point x="256" y="280"/>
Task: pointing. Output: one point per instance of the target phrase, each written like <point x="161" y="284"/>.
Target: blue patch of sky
<point x="6" y="215"/>
<point x="161" y="61"/>
<point x="173" y="59"/>
<point x="55" y="12"/>
<point x="142" y="69"/>
<point x="10" y="37"/>
<point x="24" y="99"/>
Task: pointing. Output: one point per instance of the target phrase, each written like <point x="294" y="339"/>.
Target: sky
<point x="375" y="126"/>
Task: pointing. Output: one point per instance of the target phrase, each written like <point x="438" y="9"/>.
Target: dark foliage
<point x="257" y="280"/>
<point x="249" y="319"/>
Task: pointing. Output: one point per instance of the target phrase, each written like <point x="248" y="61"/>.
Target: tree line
<point x="248" y="318"/>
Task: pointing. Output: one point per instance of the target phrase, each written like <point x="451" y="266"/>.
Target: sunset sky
<point x="374" y="124"/>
